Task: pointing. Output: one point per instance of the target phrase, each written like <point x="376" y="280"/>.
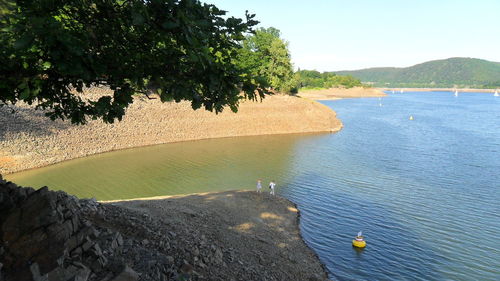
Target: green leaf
<point x="25" y="93"/>
<point x="46" y="65"/>
<point x="23" y="42"/>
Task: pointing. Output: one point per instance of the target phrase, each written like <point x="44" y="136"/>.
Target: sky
<point x="333" y="35"/>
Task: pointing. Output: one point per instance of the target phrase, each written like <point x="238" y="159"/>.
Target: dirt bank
<point x="258" y="234"/>
<point x="30" y="140"/>
<point x="341" y="93"/>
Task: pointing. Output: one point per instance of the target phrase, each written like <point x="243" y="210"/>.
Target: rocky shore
<point x="28" y="139"/>
<point x="342" y="93"/>
<point x="239" y="235"/>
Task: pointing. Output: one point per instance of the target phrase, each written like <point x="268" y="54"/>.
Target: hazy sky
<point x="329" y="35"/>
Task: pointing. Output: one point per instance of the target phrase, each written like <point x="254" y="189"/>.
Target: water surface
<point x="425" y="192"/>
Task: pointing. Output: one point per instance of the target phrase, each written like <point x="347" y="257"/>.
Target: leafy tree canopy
<point x="316" y="79"/>
<point x="179" y="49"/>
<point x="265" y="55"/>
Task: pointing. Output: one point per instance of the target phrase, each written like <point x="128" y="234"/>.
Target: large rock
<point x="127" y="274"/>
<point x="43" y="236"/>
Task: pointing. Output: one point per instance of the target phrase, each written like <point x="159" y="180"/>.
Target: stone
<point x="82" y="275"/>
<point x="61" y="273"/>
<point x="218" y="256"/>
<point x="127" y="274"/>
<point x="186" y="268"/>
<point x="196" y="252"/>
<point x="119" y="239"/>
<point x="6" y="202"/>
<point x="35" y="273"/>
<point x="170" y="259"/>
<point x="88" y="243"/>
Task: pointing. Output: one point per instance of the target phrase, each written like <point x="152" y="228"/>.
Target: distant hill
<point x="452" y="72"/>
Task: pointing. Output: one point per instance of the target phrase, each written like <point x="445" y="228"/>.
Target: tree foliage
<point x="316" y="79"/>
<point x="265" y="55"/>
<point x="179" y="49"/>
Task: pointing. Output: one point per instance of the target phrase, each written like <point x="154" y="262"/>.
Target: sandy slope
<point x="340" y="93"/>
<point x="30" y="140"/>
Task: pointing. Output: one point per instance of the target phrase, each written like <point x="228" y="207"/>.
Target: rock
<point x="170" y="259"/>
<point x="35" y="273"/>
<point x="186" y="270"/>
<point x="127" y="274"/>
<point x="196" y="252"/>
<point x="218" y="256"/>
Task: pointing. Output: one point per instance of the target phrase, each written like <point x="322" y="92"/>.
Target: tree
<point x="265" y="55"/>
<point x="179" y="49"/>
<point x="315" y="79"/>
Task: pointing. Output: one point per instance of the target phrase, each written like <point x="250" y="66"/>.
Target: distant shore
<point x="29" y="140"/>
<point x="439" y="90"/>
<point x="341" y="93"/>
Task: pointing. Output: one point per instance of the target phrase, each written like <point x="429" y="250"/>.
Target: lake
<point x="425" y="192"/>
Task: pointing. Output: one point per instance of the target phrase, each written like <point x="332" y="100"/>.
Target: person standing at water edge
<point x="271" y="186"/>
<point x="259" y="185"/>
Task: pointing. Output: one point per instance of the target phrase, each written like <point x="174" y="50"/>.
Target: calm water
<point x="425" y="192"/>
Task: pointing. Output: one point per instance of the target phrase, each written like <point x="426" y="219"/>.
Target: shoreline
<point x="30" y="140"/>
<point x="342" y="93"/>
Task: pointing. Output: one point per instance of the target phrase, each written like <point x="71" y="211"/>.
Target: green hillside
<point x="452" y="72"/>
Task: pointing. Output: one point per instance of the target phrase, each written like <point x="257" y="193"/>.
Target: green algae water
<point x="425" y="192"/>
<point x="177" y="168"/>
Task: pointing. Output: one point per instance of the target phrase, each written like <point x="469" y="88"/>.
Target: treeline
<point x="316" y="79"/>
<point x="447" y="73"/>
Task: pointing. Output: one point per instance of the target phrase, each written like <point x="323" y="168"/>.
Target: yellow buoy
<point x="359" y="241"/>
<point x="359" y="244"/>
<point x="411" y="117"/>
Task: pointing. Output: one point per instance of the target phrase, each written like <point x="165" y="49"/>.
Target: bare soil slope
<point x="341" y="93"/>
<point x="30" y="140"/>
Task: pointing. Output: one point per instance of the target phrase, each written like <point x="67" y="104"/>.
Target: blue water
<point x="425" y="192"/>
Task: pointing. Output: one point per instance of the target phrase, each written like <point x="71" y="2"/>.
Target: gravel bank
<point x="30" y="140"/>
<point x="254" y="236"/>
<point x="235" y="235"/>
<point x="341" y="93"/>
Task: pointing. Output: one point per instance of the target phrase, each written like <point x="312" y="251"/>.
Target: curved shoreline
<point x="30" y="140"/>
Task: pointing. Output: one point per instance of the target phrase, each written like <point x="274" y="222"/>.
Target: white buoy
<point x="411" y="117"/>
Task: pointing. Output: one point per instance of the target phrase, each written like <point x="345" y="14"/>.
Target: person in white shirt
<point x="259" y="185"/>
<point x="271" y="186"/>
